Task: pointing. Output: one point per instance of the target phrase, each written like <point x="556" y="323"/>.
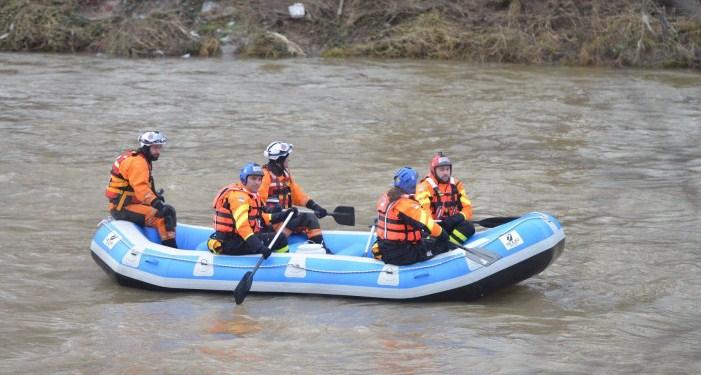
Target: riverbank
<point x="647" y="33"/>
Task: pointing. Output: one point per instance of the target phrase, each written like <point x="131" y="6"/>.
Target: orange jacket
<point x="403" y="219"/>
<point x="131" y="178"/>
<point x="443" y="199"/>
<point x="281" y="190"/>
<point x="237" y="210"/>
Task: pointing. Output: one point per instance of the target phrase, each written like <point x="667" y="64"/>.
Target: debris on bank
<point x="646" y="33"/>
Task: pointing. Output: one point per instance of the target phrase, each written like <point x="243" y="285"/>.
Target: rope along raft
<point x="204" y="262"/>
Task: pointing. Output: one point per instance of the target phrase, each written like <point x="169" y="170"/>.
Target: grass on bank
<point x="596" y="32"/>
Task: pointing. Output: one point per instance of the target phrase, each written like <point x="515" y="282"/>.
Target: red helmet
<point x="440" y="160"/>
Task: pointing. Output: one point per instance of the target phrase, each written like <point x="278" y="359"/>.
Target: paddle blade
<point x="492" y="222"/>
<point x="487" y="256"/>
<point x="243" y="287"/>
<point x="480" y="255"/>
<point x="344" y="215"/>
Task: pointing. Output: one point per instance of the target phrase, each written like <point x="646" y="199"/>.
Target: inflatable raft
<point x="499" y="257"/>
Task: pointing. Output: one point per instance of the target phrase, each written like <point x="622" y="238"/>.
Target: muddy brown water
<point x="614" y="154"/>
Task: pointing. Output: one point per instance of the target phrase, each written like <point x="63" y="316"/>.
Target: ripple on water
<point x="613" y="154"/>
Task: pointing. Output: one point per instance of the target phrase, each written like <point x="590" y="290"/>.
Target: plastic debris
<point x="296" y="10"/>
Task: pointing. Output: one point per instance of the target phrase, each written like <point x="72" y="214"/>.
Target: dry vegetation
<point x="651" y="33"/>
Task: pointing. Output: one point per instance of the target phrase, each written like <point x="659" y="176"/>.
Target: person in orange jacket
<point x="444" y="196"/>
<point x="400" y="221"/>
<point x="279" y="191"/>
<point x="132" y="193"/>
<point x="240" y="223"/>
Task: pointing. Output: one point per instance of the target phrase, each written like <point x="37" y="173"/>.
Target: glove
<point x="452" y="221"/>
<point x="159" y="206"/>
<point x="319" y="211"/>
<point x="159" y="195"/>
<point x="170" y="218"/>
<point x="168" y="210"/>
<point x="279" y="217"/>
<point x="256" y="245"/>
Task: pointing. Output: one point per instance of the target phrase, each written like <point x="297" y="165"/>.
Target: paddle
<point x="344" y="215"/>
<point x="372" y="232"/>
<point x="479" y="255"/>
<point x="492" y="222"/>
<point x="244" y="286"/>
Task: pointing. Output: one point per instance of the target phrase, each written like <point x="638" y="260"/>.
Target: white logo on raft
<point x="111" y="240"/>
<point x="511" y="239"/>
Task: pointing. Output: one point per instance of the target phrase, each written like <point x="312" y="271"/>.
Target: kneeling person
<point x="241" y="226"/>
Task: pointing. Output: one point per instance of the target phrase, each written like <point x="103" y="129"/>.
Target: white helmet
<point x="278" y="150"/>
<point x="152" y="138"/>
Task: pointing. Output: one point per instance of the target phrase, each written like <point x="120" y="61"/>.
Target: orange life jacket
<point x="223" y="217"/>
<point x="279" y="192"/>
<point x="119" y="191"/>
<point x="444" y="204"/>
<point x="390" y="226"/>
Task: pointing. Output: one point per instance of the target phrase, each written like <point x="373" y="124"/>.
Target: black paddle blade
<point x="243" y="287"/>
<point x="344" y="215"/>
<point x="492" y="222"/>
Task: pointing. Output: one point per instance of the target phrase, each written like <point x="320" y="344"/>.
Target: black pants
<point x="233" y="244"/>
<point x="304" y="220"/>
<point x="466" y="229"/>
<point x="402" y="254"/>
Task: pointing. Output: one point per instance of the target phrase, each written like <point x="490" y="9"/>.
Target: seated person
<point x="280" y="191"/>
<point x="400" y="221"/>
<point x="241" y="226"/>
<point x="444" y="197"/>
<point x="132" y="193"/>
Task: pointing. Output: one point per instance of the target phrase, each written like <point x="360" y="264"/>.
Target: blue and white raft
<point x="503" y="256"/>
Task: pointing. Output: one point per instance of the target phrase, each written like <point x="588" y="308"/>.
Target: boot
<point x="320" y="240"/>
<point x="170" y="243"/>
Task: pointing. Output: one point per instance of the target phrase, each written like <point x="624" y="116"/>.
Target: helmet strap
<point x="277" y="166"/>
<point x="439" y="180"/>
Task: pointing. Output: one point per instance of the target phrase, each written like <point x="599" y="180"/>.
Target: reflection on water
<point x="613" y="154"/>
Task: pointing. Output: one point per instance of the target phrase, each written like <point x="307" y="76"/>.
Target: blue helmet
<point x="405" y="178"/>
<point x="250" y="169"/>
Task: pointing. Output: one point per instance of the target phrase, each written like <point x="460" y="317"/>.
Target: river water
<point x="614" y="154"/>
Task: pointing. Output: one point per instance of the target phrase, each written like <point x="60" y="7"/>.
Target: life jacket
<point x="444" y="204"/>
<point x="223" y="217"/>
<point x="119" y="191"/>
<point x="390" y="227"/>
<point x="279" y="191"/>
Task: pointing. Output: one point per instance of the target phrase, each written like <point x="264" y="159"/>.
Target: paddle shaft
<point x="491" y="222"/>
<point x="244" y="285"/>
<point x="334" y="214"/>
<point x="270" y="245"/>
<point x="367" y="245"/>
<point x="344" y="215"/>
